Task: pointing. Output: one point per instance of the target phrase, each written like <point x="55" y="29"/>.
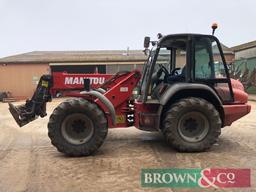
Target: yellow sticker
<point x="120" y="119"/>
<point x="45" y="83"/>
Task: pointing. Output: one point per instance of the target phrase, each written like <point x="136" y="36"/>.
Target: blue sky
<point x="28" y="25"/>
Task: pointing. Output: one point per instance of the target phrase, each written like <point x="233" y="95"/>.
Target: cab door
<point x="210" y="67"/>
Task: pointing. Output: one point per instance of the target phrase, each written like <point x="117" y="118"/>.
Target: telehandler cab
<point x="184" y="92"/>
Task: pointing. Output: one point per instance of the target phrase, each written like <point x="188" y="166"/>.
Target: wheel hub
<point x="77" y="128"/>
<point x="193" y="126"/>
<point x="190" y="125"/>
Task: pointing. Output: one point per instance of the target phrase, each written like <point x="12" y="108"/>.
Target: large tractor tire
<point x="191" y="125"/>
<point x="77" y="127"/>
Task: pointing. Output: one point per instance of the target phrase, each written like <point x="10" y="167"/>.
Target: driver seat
<point x="177" y="78"/>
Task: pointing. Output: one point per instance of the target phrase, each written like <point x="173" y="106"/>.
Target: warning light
<point x="214" y="27"/>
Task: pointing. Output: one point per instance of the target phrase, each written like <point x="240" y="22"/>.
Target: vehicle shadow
<point x="132" y="144"/>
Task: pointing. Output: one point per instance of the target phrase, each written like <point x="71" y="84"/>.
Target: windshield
<point x="171" y="59"/>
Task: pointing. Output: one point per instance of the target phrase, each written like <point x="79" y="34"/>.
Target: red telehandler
<point x="189" y="104"/>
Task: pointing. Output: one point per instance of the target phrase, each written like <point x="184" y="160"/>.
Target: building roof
<point x="75" y="56"/>
<point x="61" y="57"/>
<point x="225" y="49"/>
<point x="244" y="46"/>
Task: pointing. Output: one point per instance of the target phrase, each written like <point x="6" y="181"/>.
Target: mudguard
<point x="104" y="100"/>
<point x="179" y="87"/>
<point x="173" y="89"/>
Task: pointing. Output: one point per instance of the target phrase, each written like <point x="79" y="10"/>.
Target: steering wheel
<point x="156" y="76"/>
<point x="175" y="71"/>
<point x="163" y="68"/>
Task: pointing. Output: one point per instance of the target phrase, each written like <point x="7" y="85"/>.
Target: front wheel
<point x="191" y="125"/>
<point x="77" y="127"/>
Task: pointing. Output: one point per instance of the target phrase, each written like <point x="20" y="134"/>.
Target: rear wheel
<point x="77" y="127"/>
<point x="192" y="125"/>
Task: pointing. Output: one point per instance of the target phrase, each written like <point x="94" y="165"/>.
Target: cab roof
<point x="184" y="35"/>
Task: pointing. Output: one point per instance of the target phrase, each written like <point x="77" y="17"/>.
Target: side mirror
<point x="146" y="42"/>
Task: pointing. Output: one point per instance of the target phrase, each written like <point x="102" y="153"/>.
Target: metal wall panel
<point x="21" y="79"/>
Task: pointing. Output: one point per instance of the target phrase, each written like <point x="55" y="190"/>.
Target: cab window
<point x="209" y="67"/>
<point x="208" y="61"/>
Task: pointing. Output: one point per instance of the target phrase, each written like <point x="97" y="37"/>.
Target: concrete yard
<point x="28" y="161"/>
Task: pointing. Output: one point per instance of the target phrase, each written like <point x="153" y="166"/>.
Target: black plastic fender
<point x="178" y="87"/>
<point x="173" y="89"/>
<point x="105" y="101"/>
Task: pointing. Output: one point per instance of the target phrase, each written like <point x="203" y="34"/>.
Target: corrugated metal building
<point x="245" y="51"/>
<point x="19" y="74"/>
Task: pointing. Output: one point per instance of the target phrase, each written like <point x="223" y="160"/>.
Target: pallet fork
<point x="36" y="106"/>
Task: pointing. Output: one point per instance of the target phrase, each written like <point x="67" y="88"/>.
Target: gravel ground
<point x="28" y="161"/>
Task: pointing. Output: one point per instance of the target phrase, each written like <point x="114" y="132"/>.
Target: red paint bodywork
<point x="71" y="81"/>
<point x="240" y="107"/>
<point x="240" y="96"/>
<point x="119" y="98"/>
<point x="119" y="93"/>
<point x="149" y="108"/>
<point x="235" y="112"/>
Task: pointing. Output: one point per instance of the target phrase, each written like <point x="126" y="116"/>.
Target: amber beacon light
<point x="214" y="27"/>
